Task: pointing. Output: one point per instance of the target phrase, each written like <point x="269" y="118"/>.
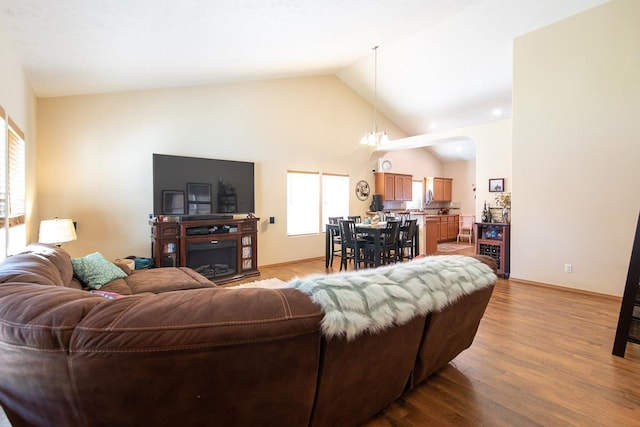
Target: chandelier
<point x="375" y="138"/>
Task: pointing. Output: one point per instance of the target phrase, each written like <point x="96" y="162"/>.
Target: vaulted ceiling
<point x="441" y="63"/>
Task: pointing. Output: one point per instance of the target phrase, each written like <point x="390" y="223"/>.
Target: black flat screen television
<point x="191" y="186"/>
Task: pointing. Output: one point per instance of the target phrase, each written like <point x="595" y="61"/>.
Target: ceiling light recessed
<point x="433" y="125"/>
<point x="497" y="112"/>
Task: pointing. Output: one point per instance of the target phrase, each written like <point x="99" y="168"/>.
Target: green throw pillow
<point x="94" y="270"/>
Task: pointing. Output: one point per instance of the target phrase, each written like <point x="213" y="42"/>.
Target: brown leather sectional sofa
<point x="200" y="355"/>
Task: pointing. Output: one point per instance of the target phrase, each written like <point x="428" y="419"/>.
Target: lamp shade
<point x="57" y="231"/>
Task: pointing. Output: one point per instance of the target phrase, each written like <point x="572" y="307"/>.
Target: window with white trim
<point x="335" y="197"/>
<point x="13" y="231"/>
<point x="417" y="194"/>
<point x="312" y="198"/>
<point x="303" y="202"/>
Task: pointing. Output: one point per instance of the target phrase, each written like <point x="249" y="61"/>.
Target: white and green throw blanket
<point x="371" y="300"/>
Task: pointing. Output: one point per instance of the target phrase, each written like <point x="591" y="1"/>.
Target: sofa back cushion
<point x="448" y="332"/>
<point x="57" y="256"/>
<point x="38" y="263"/>
<point x="30" y="268"/>
<point x="358" y="378"/>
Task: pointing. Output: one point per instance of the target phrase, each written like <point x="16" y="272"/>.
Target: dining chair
<point x="336" y="241"/>
<point x="351" y="247"/>
<point x="407" y="237"/>
<point x="390" y="242"/>
<point x="465" y="228"/>
<point x="389" y="216"/>
<point x="403" y="218"/>
<point x="388" y="245"/>
<point x="358" y="220"/>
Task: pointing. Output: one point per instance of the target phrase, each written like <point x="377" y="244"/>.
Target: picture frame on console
<point x="173" y="202"/>
<point x="496" y="185"/>
<point x="199" y="198"/>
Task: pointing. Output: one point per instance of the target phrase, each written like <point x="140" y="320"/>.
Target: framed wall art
<point x="362" y="190"/>
<point x="496" y="185"/>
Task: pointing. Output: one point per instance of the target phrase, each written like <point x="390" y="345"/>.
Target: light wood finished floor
<point x="542" y="357"/>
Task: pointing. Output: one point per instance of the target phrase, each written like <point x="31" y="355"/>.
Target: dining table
<point x="373" y="230"/>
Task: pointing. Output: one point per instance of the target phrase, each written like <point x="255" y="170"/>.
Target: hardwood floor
<point x="542" y="357"/>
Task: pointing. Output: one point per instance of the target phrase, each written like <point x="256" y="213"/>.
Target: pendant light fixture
<point x="375" y="138"/>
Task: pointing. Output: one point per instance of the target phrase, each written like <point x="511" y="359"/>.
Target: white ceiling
<point x="444" y="63"/>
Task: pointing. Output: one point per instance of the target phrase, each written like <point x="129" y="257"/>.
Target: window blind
<point x="12" y="186"/>
<point x="16" y="176"/>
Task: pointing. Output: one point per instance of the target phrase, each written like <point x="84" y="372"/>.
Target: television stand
<point x="222" y="250"/>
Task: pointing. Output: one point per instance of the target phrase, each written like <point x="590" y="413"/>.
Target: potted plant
<point x="503" y="200"/>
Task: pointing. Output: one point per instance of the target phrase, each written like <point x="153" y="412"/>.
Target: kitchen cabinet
<point x="441" y="188"/>
<point x="394" y="186"/>
<point x="447" y="192"/>
<point x="452" y="226"/>
<point x="435" y="229"/>
<point x="448" y="227"/>
<point x="389" y="187"/>
<point x="431" y="233"/>
<point x="444" y="229"/>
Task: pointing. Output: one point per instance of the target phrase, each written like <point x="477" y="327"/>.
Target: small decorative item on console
<point x="486" y="213"/>
<point x="504" y="200"/>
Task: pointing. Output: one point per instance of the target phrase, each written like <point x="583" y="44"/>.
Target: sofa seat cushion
<point x="165" y="279"/>
<point x="119" y="286"/>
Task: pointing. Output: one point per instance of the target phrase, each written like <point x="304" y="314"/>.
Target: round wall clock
<point x="362" y="190"/>
<point x="385" y="165"/>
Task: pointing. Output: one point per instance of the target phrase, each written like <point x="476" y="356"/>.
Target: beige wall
<point x="493" y="160"/>
<point x="18" y="100"/>
<point x="417" y="162"/>
<point x="576" y="149"/>
<point x="420" y="163"/>
<point x="95" y="153"/>
<point x="464" y="178"/>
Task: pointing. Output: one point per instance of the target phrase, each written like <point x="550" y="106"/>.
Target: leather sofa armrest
<point x="488" y="261"/>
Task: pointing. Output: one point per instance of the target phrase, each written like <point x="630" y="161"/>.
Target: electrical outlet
<point x="568" y="268"/>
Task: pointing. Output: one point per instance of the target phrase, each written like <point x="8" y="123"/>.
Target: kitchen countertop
<point x="417" y="213"/>
<point x="433" y="215"/>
